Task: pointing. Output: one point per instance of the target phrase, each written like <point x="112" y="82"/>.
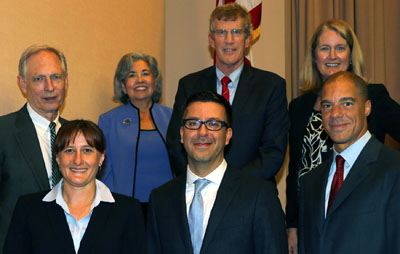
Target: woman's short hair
<point x="310" y="77"/>
<point x="68" y="132"/>
<point x="125" y="66"/>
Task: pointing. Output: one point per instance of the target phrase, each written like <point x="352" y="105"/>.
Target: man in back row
<point x="350" y="204"/>
<point x="258" y="99"/>
<point x="26" y="161"/>
<point x="213" y="207"/>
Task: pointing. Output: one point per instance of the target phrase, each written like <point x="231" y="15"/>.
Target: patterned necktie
<point x="337" y="180"/>
<point x="55" y="172"/>
<point x="225" y="91"/>
<point x="196" y="215"/>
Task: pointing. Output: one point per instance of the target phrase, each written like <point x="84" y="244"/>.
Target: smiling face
<point x="229" y="49"/>
<point x="44" y="84"/>
<point x="139" y="83"/>
<point x="205" y="147"/>
<point x="344" y="112"/>
<point x="79" y="162"/>
<point x="332" y="53"/>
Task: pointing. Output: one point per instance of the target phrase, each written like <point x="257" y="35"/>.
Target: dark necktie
<point x="196" y="215"/>
<point x="337" y="180"/>
<point x="225" y="91"/>
<point x="55" y="172"/>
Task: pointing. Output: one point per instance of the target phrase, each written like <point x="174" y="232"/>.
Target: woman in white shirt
<point x="80" y="214"/>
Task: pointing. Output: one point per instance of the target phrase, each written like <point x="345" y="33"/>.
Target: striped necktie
<point x="55" y="172"/>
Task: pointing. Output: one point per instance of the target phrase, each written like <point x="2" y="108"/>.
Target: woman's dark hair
<point x="68" y="132"/>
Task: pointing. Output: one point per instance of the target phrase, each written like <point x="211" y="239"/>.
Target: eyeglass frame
<point x="223" y="123"/>
<point x="235" y="32"/>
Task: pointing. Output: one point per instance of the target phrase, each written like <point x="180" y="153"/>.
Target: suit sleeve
<point x="18" y="239"/>
<point x="107" y="176"/>
<point x="273" y="144"/>
<point x="175" y="149"/>
<point x="291" y="179"/>
<point x="393" y="218"/>
<point x="387" y="110"/>
<point x="269" y="223"/>
<point x="301" y="244"/>
<point x="153" y="239"/>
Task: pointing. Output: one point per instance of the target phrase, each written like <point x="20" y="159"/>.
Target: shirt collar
<point x="39" y="120"/>
<point x="103" y="193"/>
<point x="215" y="176"/>
<point x="234" y="76"/>
<point x="351" y="153"/>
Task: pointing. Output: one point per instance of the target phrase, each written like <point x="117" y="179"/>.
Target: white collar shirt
<point x="209" y="193"/>
<point x="78" y="228"/>
<point x="43" y="133"/>
<point x="232" y="86"/>
<point x="350" y="155"/>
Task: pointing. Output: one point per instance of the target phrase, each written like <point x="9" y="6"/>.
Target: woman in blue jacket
<point x="137" y="160"/>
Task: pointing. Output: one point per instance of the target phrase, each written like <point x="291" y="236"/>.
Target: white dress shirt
<point x="44" y="136"/>
<point x="78" y="227"/>
<point x="232" y="86"/>
<point x="209" y="193"/>
<point x="350" y="155"/>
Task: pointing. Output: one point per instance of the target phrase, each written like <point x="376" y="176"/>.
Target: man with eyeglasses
<point x="258" y="99"/>
<point x="213" y="207"/>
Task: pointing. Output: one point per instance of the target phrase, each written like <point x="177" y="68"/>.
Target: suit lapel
<point x="358" y="173"/>
<point x="319" y="182"/>
<point x="180" y="210"/>
<point x="209" y="81"/>
<point x="244" y="89"/>
<point x="96" y="225"/>
<point x="28" y="142"/>
<point x="225" y="194"/>
<point x="59" y="224"/>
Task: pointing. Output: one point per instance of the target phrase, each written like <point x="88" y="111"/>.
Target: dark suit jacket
<point x="260" y="121"/>
<point x="41" y="227"/>
<point x="364" y="216"/>
<point x="22" y="169"/>
<point x="383" y="119"/>
<point x="246" y="218"/>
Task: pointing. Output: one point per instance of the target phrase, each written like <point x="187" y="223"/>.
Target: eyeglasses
<point x="223" y="33"/>
<point x="211" y="125"/>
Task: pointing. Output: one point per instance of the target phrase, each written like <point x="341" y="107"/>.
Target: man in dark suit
<point x="25" y="146"/>
<point x="258" y="99"/>
<point x="232" y="211"/>
<point x="350" y="204"/>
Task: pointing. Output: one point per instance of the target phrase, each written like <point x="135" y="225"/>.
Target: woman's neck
<point x="79" y="199"/>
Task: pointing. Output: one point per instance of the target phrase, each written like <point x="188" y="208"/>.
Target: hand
<point x="292" y="240"/>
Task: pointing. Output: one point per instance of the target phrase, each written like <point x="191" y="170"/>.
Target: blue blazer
<point x="121" y="128"/>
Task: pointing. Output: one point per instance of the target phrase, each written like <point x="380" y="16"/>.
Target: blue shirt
<point x="78" y="228"/>
<point x="350" y="155"/>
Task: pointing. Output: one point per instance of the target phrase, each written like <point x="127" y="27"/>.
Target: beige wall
<point x="93" y="36"/>
<point x="187" y="45"/>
